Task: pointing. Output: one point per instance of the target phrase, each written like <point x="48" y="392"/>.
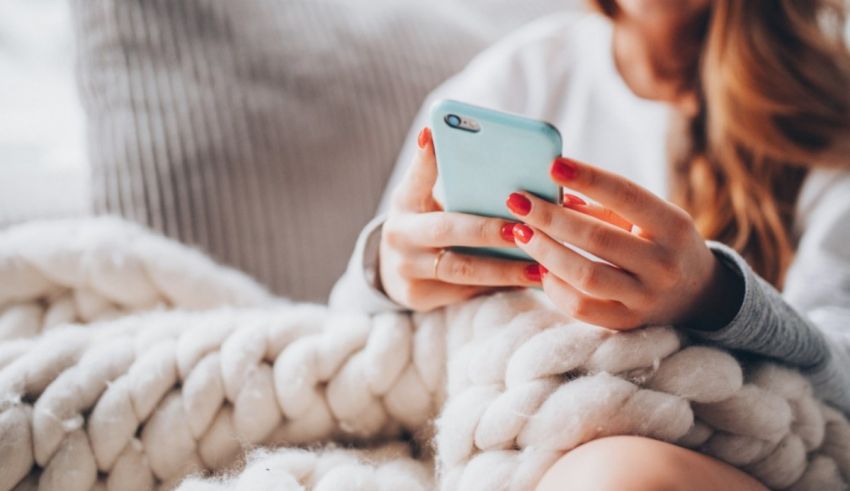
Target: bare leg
<point x="629" y="463"/>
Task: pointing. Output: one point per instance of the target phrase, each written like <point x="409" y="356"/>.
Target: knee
<point x="616" y="464"/>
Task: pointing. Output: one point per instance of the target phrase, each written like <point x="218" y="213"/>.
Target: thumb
<point x="415" y="192"/>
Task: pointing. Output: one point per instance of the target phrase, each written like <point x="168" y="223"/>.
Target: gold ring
<point x="437" y="260"/>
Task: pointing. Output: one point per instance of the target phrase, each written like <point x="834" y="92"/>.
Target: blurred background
<point x="42" y="140"/>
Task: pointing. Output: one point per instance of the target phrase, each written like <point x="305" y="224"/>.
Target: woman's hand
<point x="416" y="269"/>
<point x="658" y="271"/>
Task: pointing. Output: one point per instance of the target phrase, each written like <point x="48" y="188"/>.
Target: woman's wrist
<point x="719" y="303"/>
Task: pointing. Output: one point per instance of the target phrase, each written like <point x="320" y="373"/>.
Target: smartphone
<point x="484" y="155"/>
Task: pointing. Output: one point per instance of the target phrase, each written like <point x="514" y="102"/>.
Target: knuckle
<point x="460" y="268"/>
<point x="589" y="177"/>
<point x="391" y="236"/>
<point x="643" y="299"/>
<point x="485" y="230"/>
<point x="630" y="195"/>
<point x="545" y="217"/>
<point x="587" y="276"/>
<point x="406" y="268"/>
<point x="578" y="307"/>
<point x="670" y="271"/>
<point x="680" y="225"/>
<point x="599" y="238"/>
<point x="660" y="256"/>
<point x="442" y="230"/>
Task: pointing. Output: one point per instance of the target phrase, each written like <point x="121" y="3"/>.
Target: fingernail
<point x="543" y="271"/>
<point x="424" y="137"/>
<point x="523" y="233"/>
<point x="573" y="200"/>
<point x="508" y="232"/>
<point x="534" y="272"/>
<point x="564" y="169"/>
<point x="519" y="204"/>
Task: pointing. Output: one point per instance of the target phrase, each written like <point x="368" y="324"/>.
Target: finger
<point x="605" y="313"/>
<point x="592" y="277"/>
<point x="599" y="212"/>
<point x="601" y="239"/>
<point x="464" y="269"/>
<point x="426" y="295"/>
<point x="633" y="202"/>
<point x="439" y="229"/>
<point x="415" y="192"/>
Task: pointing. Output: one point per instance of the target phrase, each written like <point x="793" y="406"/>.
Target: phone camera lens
<point x="453" y="120"/>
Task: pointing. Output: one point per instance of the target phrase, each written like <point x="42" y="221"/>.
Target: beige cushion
<point x="263" y="131"/>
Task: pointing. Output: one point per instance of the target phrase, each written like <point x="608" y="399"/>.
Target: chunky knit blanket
<point x="130" y="362"/>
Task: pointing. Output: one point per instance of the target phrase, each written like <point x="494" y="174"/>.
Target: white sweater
<point x="561" y="69"/>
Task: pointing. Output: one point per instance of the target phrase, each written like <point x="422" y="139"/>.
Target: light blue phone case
<point x="497" y="154"/>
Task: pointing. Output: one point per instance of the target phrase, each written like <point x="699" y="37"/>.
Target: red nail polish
<point x="573" y="200"/>
<point x="519" y="204"/>
<point x="532" y="272"/>
<point x="543" y="271"/>
<point x="523" y="233"/>
<point x="563" y="169"/>
<point x="508" y="232"/>
<point x="424" y="137"/>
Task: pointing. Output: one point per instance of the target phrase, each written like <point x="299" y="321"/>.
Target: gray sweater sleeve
<point x="808" y="326"/>
<point x="767" y="324"/>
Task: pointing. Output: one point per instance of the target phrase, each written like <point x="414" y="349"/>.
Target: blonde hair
<point x="773" y="84"/>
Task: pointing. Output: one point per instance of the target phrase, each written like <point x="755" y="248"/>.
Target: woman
<point x="738" y="112"/>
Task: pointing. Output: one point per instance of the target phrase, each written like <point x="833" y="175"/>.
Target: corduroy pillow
<point x="263" y="131"/>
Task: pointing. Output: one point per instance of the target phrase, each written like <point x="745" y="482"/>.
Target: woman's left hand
<point x="658" y="271"/>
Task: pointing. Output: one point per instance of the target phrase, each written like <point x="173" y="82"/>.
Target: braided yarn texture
<point x="128" y="362"/>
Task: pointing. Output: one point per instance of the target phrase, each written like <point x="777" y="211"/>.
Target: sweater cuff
<point x="357" y="290"/>
<point x="765" y="323"/>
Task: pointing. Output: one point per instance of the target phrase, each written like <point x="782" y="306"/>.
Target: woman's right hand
<point x="417" y="270"/>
